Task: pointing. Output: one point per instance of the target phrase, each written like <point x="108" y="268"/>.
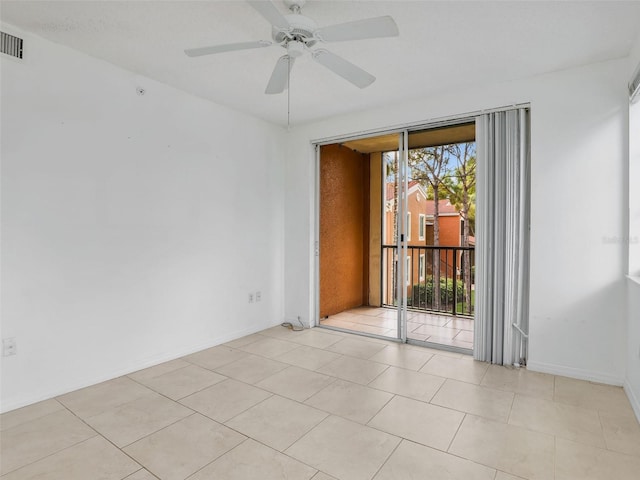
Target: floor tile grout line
<point x="485" y="372"/>
<point x="159" y="430"/>
<point x="36" y="418"/>
<point x="55" y="399"/>
<point x="218" y="457"/>
<point x="333" y="380"/>
<point x="378" y="375"/>
<point x="246" y="409"/>
<point x="111" y="442"/>
<point x="246" y="438"/>
<point x="193" y="412"/>
<point x="158" y="393"/>
<point x="189" y="394"/>
<point x="393" y="395"/>
<point x="513" y="401"/>
<point x="299" y="439"/>
<point x="437" y="391"/>
<point x="447" y="452"/>
<point x="150" y="391"/>
<point x="262" y="401"/>
<point x="453" y="454"/>
<point x="139" y="470"/>
<point x="224" y="424"/>
<point x="97" y="434"/>
<point x="388" y="457"/>
<point x="426" y="361"/>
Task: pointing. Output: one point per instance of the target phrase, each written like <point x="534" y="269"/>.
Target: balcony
<point x="455" y="268"/>
<point x="440" y="311"/>
<point x="444" y="317"/>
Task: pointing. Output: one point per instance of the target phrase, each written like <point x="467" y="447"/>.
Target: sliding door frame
<point x="403" y="131"/>
<point x="401" y="247"/>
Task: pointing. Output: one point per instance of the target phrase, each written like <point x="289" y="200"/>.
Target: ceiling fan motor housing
<point x="302" y="30"/>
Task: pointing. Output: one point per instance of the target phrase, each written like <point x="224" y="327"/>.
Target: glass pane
<point x="441" y="196"/>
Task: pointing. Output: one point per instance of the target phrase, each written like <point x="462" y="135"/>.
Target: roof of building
<point x="444" y="207"/>
<point x="412" y="184"/>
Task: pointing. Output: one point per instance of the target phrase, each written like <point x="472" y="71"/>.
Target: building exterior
<point x="421" y="253"/>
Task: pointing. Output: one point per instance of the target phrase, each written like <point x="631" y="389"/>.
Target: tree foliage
<point x="449" y="171"/>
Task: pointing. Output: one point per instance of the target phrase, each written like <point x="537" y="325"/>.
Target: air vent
<point x="11" y="45"/>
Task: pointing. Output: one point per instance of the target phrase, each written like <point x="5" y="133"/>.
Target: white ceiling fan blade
<point x="280" y="77"/>
<point x="345" y="69"/>
<point x="230" y="47"/>
<point x="269" y="11"/>
<point x="360" y="29"/>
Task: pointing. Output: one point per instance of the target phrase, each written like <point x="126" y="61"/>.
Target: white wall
<point x="133" y="227"/>
<point x="632" y="381"/>
<point x="578" y="299"/>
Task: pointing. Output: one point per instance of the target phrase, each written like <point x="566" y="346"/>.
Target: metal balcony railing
<point x="437" y="279"/>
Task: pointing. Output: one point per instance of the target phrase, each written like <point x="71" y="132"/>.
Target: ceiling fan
<point x="297" y="34"/>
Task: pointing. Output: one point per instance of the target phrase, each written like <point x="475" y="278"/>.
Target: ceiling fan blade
<point x="345" y="69"/>
<point x="280" y="77"/>
<point x="230" y="47"/>
<point x="269" y="11"/>
<point x="360" y="29"/>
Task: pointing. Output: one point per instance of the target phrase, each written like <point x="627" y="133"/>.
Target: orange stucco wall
<point x="344" y="229"/>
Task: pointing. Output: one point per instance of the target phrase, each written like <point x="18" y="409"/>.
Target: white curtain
<point x="502" y="237"/>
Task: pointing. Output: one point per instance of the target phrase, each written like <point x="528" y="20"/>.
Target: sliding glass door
<point x="382" y="270"/>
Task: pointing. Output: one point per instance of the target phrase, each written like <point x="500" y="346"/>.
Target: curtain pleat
<point x="502" y="237"/>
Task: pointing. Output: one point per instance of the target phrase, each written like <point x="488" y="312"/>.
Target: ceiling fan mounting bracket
<point x="294" y="5"/>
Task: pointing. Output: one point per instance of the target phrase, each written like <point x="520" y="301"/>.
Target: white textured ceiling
<point x="442" y="46"/>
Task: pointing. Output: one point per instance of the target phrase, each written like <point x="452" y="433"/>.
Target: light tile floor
<point x="422" y="326"/>
<point x="324" y="405"/>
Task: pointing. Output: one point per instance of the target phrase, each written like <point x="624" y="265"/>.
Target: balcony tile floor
<point x="325" y="405"/>
<point x="427" y="327"/>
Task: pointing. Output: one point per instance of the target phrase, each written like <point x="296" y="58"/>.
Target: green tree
<point x="461" y="188"/>
<point x="430" y="167"/>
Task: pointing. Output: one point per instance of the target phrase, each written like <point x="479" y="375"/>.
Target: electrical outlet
<point x="251" y="298"/>
<point x="258" y="296"/>
<point x="9" y="347"/>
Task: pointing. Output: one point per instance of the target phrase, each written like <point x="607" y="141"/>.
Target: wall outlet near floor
<point x="258" y="296"/>
<point x="251" y="298"/>
<point x="9" y="347"/>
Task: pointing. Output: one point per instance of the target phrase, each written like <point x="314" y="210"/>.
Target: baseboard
<point x="578" y="373"/>
<point x="76" y="384"/>
<point x="633" y="399"/>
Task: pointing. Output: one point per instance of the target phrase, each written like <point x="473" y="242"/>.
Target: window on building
<point x="408" y="270"/>
<point x="408" y="226"/>
<point x="421" y="267"/>
<point x="421" y="227"/>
